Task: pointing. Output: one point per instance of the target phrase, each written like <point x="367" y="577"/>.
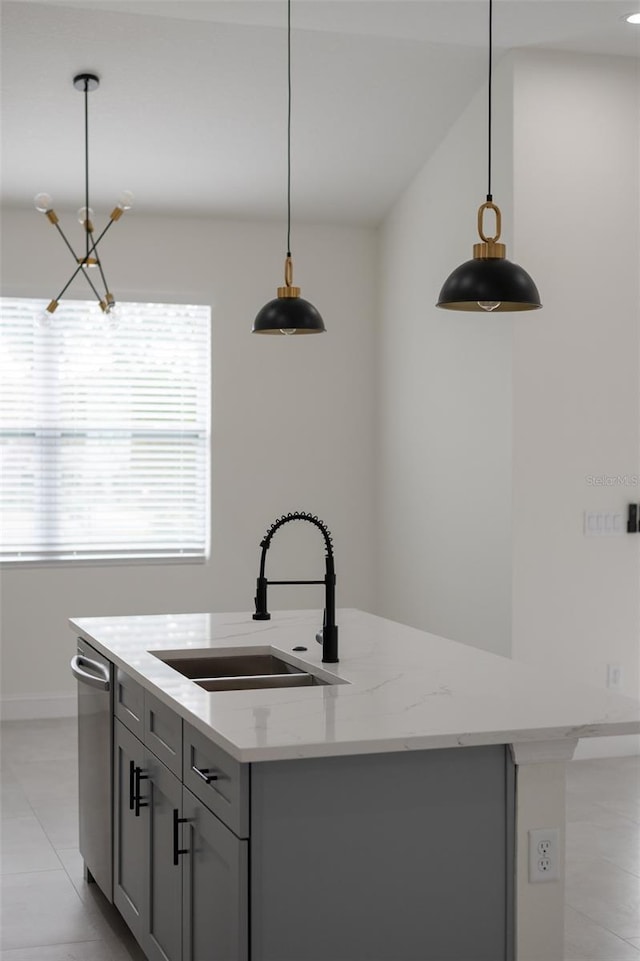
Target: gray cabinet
<point x="180" y="874"/>
<point x="215" y="887"/>
<point x="162" y="940"/>
<point x="397" y="857"/>
<point x="130" y="835"/>
<point x="393" y="857"/>
<point x="147" y="883"/>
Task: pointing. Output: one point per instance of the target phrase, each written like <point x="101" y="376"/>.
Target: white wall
<point x="490" y="426"/>
<point x="444" y="496"/>
<point x="292" y="429"/>
<point x="576" y="372"/>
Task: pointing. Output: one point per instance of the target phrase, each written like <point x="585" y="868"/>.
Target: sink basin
<point x="216" y="671"/>
<point x="299" y="679"/>
<point x="210" y="665"/>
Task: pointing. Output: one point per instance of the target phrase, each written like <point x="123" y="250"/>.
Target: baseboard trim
<point x="627" y="745"/>
<point x="29" y="707"/>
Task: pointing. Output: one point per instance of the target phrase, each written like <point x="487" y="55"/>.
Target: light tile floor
<point x="603" y="860"/>
<point x="50" y="914"/>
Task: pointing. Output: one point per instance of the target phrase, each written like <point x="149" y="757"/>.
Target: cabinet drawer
<point x="163" y="733"/>
<point x="219" y="781"/>
<point x="129" y="703"/>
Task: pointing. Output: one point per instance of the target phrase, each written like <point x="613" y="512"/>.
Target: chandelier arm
<point x="89" y="281"/>
<point x="70" y="281"/>
<point x="61" y="232"/>
<point x="99" y="263"/>
<point x="79" y="268"/>
<point x="85" y="274"/>
<point x="95" y="243"/>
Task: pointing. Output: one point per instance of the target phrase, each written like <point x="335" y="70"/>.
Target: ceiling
<point x="191" y="110"/>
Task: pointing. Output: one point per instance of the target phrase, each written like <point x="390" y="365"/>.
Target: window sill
<point x="174" y="559"/>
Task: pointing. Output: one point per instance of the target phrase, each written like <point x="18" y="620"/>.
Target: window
<point x="104" y="432"/>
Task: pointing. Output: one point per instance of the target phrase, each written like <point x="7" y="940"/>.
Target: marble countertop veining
<point x="399" y="688"/>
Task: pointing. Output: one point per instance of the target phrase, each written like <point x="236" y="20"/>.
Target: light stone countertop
<point x="401" y="689"/>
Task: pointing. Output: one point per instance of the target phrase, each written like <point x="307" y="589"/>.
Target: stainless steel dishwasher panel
<point x="95" y="763"/>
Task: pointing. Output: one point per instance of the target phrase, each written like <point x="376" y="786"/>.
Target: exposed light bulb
<point x="288" y="330"/>
<point x="633" y="18"/>
<point x="84" y="214"/>
<point x="43" y="203"/>
<point x="114" y="316"/>
<point x="125" y="201"/>
<point x="44" y="317"/>
<point x="489" y="305"/>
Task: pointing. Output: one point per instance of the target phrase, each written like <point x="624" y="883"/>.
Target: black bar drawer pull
<point x="207" y="775"/>
<point x="132" y="779"/>
<point x="177" y="851"/>
<point x="138" y="802"/>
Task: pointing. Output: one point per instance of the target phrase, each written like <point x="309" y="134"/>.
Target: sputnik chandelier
<point x="85" y="82"/>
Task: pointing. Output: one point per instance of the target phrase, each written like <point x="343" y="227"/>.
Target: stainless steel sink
<point x="299" y="679"/>
<point x="236" y="672"/>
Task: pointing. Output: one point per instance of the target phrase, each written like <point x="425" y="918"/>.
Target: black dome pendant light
<point x="288" y="313"/>
<point x="489" y="282"/>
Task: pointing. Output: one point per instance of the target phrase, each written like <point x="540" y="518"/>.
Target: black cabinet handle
<point x="138" y="802"/>
<point x="207" y="775"/>
<point x="132" y="778"/>
<point x="177" y="851"/>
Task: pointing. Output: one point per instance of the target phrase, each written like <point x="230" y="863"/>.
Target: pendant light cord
<point x="86" y="158"/>
<point x="288" y="128"/>
<point x="489" y="112"/>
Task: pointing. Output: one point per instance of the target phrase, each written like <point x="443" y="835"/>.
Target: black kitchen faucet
<point x="329" y="636"/>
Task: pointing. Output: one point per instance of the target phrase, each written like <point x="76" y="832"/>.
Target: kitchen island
<point x="356" y="827"/>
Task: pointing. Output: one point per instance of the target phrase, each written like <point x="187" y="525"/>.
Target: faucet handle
<point x="261" y="614"/>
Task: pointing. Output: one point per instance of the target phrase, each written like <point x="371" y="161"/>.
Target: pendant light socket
<point x="489" y="248"/>
<point x="288" y="291"/>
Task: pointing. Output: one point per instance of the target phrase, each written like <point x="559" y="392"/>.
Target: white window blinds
<point x="104" y="433"/>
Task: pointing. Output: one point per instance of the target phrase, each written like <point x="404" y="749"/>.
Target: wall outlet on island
<point x="544" y="854"/>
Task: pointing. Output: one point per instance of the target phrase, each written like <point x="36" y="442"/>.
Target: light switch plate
<point x="604" y="523"/>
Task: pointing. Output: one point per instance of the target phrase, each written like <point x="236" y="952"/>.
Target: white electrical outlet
<point x="544" y="854"/>
<point x="614" y="677"/>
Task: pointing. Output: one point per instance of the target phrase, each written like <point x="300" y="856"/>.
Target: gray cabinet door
<point x="215" y="892"/>
<point x="163" y="934"/>
<point x="130" y="858"/>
